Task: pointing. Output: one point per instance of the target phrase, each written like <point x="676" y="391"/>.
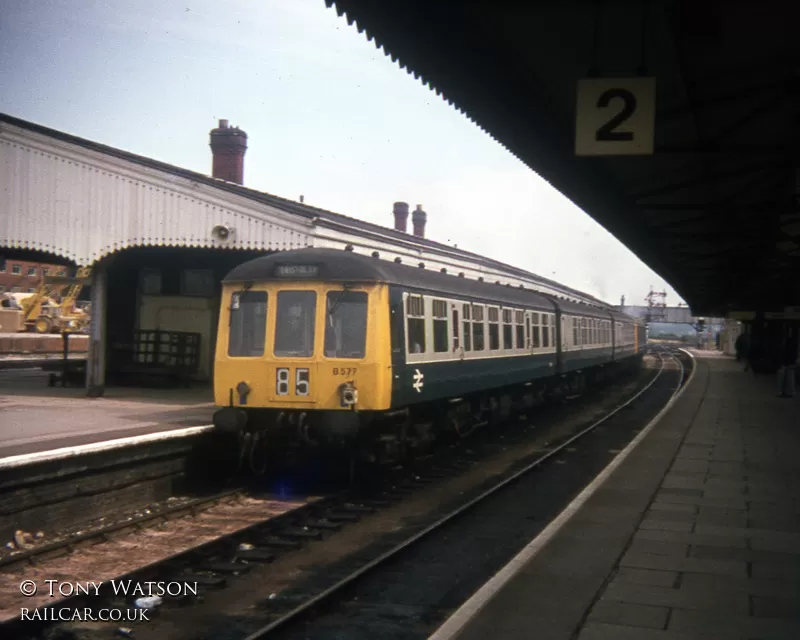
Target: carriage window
<point x="575" y="336"/>
<point x="520" y="329"/>
<point x="440" y="326"/>
<point x="415" y="309"/>
<point x="508" y="330"/>
<point x="477" y="328"/>
<point x="294" y="330"/>
<point x="494" y="329"/>
<point x="465" y="310"/>
<point x="346" y="324"/>
<point x="584" y="333"/>
<point x="545" y="330"/>
<point x="527" y="332"/>
<point x="537" y="339"/>
<point x="248" y="324"/>
<point x="455" y="328"/>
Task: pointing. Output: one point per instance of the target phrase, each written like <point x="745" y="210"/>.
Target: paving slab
<point x="35" y="417"/>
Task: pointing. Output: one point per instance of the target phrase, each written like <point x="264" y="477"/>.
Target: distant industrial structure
<point x="656" y="310"/>
<point x="667" y="315"/>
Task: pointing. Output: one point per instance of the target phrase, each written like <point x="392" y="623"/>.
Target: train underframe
<point x="395" y="436"/>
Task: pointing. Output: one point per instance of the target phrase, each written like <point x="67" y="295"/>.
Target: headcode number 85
<point x="301" y="383"/>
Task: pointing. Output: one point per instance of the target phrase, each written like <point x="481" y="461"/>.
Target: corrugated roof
<point x="296" y="208"/>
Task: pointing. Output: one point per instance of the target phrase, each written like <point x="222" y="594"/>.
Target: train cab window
<point x="508" y="330"/>
<point x="537" y="340"/>
<point x="440" y="326"/>
<point x="415" y="327"/>
<point x="294" y="330"/>
<point x="520" y="328"/>
<point x="346" y="324"/>
<point x="494" y="329"/>
<point x="466" y="317"/>
<point x="545" y="330"/>
<point x="248" y="324"/>
<point x="478" y="341"/>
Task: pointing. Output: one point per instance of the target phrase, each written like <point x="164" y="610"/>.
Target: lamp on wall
<point x="222" y="232"/>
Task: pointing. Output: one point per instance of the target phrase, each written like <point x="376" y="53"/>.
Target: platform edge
<point x="456" y="623"/>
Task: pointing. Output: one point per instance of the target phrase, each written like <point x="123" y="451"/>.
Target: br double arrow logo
<point x="418" y="380"/>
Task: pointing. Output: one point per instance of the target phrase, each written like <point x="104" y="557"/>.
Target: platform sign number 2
<point x="615" y="116"/>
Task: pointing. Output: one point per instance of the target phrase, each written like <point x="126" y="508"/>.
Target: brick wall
<point x="21" y="276"/>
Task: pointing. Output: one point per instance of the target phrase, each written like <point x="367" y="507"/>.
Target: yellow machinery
<point x="52" y="307"/>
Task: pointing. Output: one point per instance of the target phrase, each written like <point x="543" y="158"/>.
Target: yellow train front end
<point x="302" y="357"/>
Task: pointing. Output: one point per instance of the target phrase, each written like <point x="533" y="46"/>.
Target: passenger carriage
<point x="333" y="344"/>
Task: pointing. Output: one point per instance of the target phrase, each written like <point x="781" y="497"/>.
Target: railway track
<point x="410" y="589"/>
<point x="221" y="563"/>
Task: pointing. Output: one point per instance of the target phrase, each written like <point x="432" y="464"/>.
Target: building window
<point x="150" y="282"/>
<point x="32" y="272"/>
<point x="31" y="290"/>
<point x="440" y="326"/>
<point x="45" y="271"/>
<point x="197" y="282"/>
<point x="2" y="265"/>
<point x="415" y="310"/>
<point x="16" y="269"/>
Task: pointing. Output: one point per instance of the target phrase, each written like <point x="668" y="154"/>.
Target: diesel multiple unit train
<point x="327" y="346"/>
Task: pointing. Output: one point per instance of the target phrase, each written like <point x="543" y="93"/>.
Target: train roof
<point x="335" y="265"/>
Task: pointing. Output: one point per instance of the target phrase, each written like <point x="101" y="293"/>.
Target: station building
<point x="159" y="239"/>
<point x="23" y="276"/>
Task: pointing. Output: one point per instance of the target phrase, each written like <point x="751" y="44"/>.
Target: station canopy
<point x="674" y="124"/>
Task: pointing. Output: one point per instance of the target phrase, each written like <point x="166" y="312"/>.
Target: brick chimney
<point x="419" y="217"/>
<point x="228" y="145"/>
<point x="400" y="212"/>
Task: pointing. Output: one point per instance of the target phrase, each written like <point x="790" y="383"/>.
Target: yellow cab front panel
<point x="292" y="345"/>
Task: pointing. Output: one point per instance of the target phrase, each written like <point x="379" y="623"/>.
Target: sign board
<point x="297" y="270"/>
<point x="615" y="116"/>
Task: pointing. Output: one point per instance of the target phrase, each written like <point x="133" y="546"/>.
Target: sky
<point x="328" y="116"/>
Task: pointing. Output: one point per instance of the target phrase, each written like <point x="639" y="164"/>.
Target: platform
<point x="696" y="534"/>
<point x="36" y="343"/>
<point x="35" y="417"/>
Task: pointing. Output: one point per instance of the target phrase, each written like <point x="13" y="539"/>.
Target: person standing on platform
<point x="786" y="382"/>
<point x="740" y="346"/>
